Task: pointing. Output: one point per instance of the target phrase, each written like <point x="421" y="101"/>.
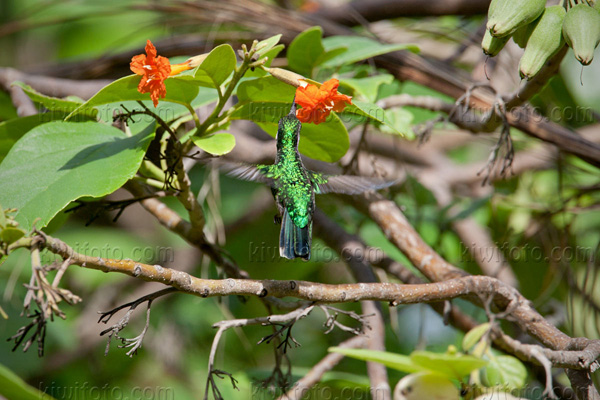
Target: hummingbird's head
<point x="289" y="129"/>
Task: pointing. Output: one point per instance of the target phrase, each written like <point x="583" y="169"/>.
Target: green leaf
<point x="217" y="144"/>
<point x="327" y="141"/>
<point x="265" y="89"/>
<point x="401" y="120"/>
<point x="51" y="103"/>
<point x="3" y="220"/>
<point x="7" y="108"/>
<point x="12" y="130"/>
<point x="262" y="111"/>
<point x="305" y="51"/>
<point x="266" y="100"/>
<point x="371" y="112"/>
<point x="179" y="90"/>
<point x="329" y="54"/>
<point x="399" y="362"/>
<point x="359" y="48"/>
<point x="58" y="162"/>
<point x="474" y="336"/>
<point x="367" y="87"/>
<point x="506" y="371"/>
<point x="10" y="235"/>
<point x="264" y="46"/>
<point x="216" y="67"/>
<point x="13" y="387"/>
<point x="453" y="366"/>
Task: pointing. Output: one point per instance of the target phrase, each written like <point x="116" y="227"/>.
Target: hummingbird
<point x="294" y="187"/>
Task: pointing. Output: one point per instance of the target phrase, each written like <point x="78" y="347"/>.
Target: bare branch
<point x="136" y="342"/>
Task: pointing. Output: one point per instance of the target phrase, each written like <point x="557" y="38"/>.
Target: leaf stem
<point x="150" y="182"/>
<point x="194" y="116"/>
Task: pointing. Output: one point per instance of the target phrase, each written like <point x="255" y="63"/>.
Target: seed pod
<point x="506" y="16"/>
<point x="492" y="45"/>
<point x="545" y="41"/>
<point x="581" y="30"/>
<point x="521" y="35"/>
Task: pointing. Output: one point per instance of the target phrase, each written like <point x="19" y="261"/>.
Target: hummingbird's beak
<point x="293" y="109"/>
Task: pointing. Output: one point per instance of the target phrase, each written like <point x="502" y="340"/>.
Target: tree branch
<point x="581" y="352"/>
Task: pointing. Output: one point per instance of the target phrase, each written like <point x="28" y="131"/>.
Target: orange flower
<point x="154" y="70"/>
<point x="317" y="103"/>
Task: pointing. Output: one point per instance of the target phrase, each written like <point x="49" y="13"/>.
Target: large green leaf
<point x="217" y="144"/>
<point x="265" y="89"/>
<point x="179" y="90"/>
<point x="12" y="387"/>
<point x="370" y="112"/>
<point x="12" y="130"/>
<point x="454" y="366"/>
<point x="266" y="100"/>
<point x="367" y="87"/>
<point x="327" y="141"/>
<point x="305" y="51"/>
<point x="401" y="120"/>
<point x="399" y="362"/>
<point x="51" y="103"/>
<point x="58" y="162"/>
<point x="359" y="48"/>
<point x="216" y="67"/>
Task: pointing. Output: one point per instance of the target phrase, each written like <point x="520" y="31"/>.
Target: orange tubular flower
<point x="154" y="70"/>
<point x="317" y="103"/>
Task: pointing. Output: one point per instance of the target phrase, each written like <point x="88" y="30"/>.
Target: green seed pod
<point x="545" y="41"/>
<point x="492" y="45"/>
<point x="581" y="30"/>
<point x="506" y="16"/>
<point x="521" y="35"/>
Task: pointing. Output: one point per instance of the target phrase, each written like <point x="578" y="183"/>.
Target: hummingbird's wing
<point x="346" y="184"/>
<point x="249" y="172"/>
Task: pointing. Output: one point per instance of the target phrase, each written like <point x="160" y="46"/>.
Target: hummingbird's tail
<point x="294" y="241"/>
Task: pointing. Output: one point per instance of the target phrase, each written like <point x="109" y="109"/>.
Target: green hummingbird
<point x="294" y="187"/>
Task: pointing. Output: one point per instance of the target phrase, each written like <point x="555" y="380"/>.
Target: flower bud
<point x="492" y="45"/>
<point x="545" y="41"/>
<point x="289" y="77"/>
<point x="506" y="16"/>
<point x="197" y="60"/>
<point x="581" y="30"/>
